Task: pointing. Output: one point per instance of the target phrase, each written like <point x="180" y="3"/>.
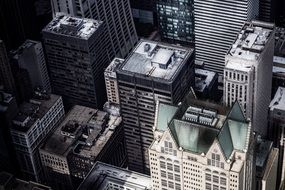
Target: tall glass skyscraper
<point x="176" y="20"/>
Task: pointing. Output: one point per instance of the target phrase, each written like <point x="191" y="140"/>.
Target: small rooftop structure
<point x="251" y="40"/>
<point x="5" y="100"/>
<point x="103" y="175"/>
<point x="72" y="26"/>
<point x="278" y="102"/>
<point x="155" y="59"/>
<point x="111" y="69"/>
<point x="204" y="79"/>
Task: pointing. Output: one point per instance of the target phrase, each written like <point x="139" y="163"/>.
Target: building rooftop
<point x="26" y="45"/>
<point x="103" y="174"/>
<point x="8" y="181"/>
<point x="203" y="79"/>
<point x="278" y="102"/>
<point x="30" y="112"/>
<point x="251" y="40"/>
<point x="72" y="26"/>
<point x="84" y="132"/>
<point x="195" y="127"/>
<point x="154" y="59"/>
<point x="5" y="99"/>
<point x="111" y="69"/>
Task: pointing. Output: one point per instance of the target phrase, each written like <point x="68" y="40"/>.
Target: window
<point x="208" y="177"/>
<point x="215" y="179"/>
<point x="223" y="181"/>
<point x="208" y="186"/>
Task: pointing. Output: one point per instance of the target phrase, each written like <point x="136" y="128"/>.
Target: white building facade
<point x="194" y="154"/>
<point x="248" y="72"/>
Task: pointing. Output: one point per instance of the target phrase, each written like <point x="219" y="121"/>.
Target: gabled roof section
<point x="164" y="115"/>
<point x="236" y="113"/>
<point x="193" y="138"/>
<point x="225" y="140"/>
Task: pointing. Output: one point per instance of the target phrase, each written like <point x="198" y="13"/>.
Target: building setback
<point x="153" y="71"/>
<point x="201" y="146"/>
<point x="30" y="56"/>
<point x="77" y="57"/>
<point x="34" y="122"/>
<point x="119" y="29"/>
<point x="248" y="72"/>
<point x="176" y="21"/>
<point x="217" y="22"/>
<point x="85" y="136"/>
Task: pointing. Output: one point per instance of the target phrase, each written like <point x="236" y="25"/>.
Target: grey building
<point x="76" y="56"/>
<point x="31" y="126"/>
<point x="8" y="182"/>
<point x="85" y="136"/>
<point x="175" y="21"/>
<point x="152" y="72"/>
<point x="6" y="77"/>
<point x="277" y="130"/>
<point x="217" y="22"/>
<point x="267" y="10"/>
<point x="30" y="56"/>
<point x="119" y="29"/>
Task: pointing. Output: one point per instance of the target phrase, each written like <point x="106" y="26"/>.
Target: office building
<point x="153" y="71"/>
<point x="103" y="176"/>
<point x="266" y="165"/>
<point x="33" y="123"/>
<point x="277" y="130"/>
<point x="111" y="82"/>
<point x="8" y="110"/>
<point x="217" y="22"/>
<point x="206" y="84"/>
<point x="201" y="146"/>
<point x="85" y="136"/>
<point x="77" y="57"/>
<point x="6" y="76"/>
<point x="175" y="21"/>
<point x="119" y="29"/>
<point x="248" y="72"/>
<point x="8" y="182"/>
<point x="143" y="11"/>
<point x="30" y="57"/>
<point x="267" y="10"/>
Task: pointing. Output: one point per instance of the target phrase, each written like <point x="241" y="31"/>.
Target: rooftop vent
<point x="147" y="47"/>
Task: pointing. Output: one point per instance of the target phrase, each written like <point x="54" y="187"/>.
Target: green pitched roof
<point x="192" y="137"/>
<point x="165" y="115"/>
<point x="198" y="138"/>
<point x="236" y="113"/>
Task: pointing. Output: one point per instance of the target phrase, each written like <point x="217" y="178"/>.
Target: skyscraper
<point x="267" y="10"/>
<point x="76" y="57"/>
<point x="217" y="23"/>
<point x="34" y="122"/>
<point x="152" y="72"/>
<point x="30" y="56"/>
<point x="119" y="29"/>
<point x="201" y="146"/>
<point x="176" y="21"/>
<point x="248" y="72"/>
<point x="6" y="76"/>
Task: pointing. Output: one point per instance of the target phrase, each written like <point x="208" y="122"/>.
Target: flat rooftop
<point x="26" y="45"/>
<point x="102" y="174"/>
<point x="251" y="40"/>
<point x="155" y="59"/>
<point x="5" y="99"/>
<point x="203" y="78"/>
<point x="30" y="112"/>
<point x="72" y="26"/>
<point x="278" y="102"/>
<point x="84" y="132"/>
